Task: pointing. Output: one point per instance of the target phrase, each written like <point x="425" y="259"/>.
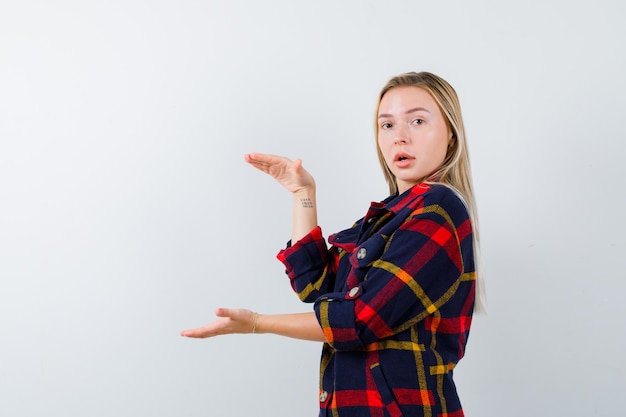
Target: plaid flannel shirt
<point x="394" y="296"/>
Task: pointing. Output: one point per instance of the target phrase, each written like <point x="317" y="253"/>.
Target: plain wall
<point x="128" y="214"/>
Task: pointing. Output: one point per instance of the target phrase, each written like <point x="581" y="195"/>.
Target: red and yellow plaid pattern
<point x="394" y="295"/>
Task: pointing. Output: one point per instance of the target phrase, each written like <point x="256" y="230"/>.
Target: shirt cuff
<point x="306" y="251"/>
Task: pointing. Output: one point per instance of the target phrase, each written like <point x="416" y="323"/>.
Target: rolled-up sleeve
<point x="309" y="265"/>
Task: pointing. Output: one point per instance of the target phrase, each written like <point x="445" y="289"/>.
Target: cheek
<point x="437" y="151"/>
<point x="443" y="149"/>
<point x="383" y="146"/>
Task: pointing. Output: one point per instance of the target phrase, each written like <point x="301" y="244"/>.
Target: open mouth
<point x="402" y="157"/>
<point x="403" y="160"/>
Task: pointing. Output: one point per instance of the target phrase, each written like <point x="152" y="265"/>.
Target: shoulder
<point x="445" y="201"/>
<point x="443" y="194"/>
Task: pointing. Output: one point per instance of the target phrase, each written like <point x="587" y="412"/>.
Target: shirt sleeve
<point x="408" y="275"/>
<point x="310" y="265"/>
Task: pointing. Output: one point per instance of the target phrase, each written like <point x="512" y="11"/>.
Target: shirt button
<point x="361" y="253"/>
<point x="323" y="396"/>
<point x="353" y="292"/>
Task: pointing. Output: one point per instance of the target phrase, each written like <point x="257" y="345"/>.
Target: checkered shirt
<point x="394" y="296"/>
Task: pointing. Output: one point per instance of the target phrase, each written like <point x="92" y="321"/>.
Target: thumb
<point x="223" y="312"/>
<point x="231" y="313"/>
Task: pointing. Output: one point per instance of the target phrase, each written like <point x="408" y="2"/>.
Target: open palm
<point x="290" y="174"/>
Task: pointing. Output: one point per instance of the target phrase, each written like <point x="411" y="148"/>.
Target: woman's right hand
<point x="290" y="174"/>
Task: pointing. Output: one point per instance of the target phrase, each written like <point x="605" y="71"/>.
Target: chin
<point x="411" y="180"/>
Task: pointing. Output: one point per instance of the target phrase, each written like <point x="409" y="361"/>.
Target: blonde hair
<point x="455" y="171"/>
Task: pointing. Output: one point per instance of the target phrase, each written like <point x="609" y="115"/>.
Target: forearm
<point x="302" y="326"/>
<point x="304" y="213"/>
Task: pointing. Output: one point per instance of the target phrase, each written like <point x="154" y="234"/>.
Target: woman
<point x="394" y="294"/>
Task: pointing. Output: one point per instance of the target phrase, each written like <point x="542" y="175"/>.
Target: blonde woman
<point x="393" y="295"/>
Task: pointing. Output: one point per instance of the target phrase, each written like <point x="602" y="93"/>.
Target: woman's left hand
<point x="230" y="321"/>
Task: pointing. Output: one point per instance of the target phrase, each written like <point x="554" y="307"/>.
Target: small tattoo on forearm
<point x="306" y="202"/>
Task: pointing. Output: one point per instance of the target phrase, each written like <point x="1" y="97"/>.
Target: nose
<point x="402" y="134"/>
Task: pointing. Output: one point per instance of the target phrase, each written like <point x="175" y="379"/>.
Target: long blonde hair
<point x="455" y="171"/>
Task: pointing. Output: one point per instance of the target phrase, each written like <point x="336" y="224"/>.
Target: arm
<point x="304" y="218"/>
<point x="310" y="266"/>
<point x="292" y="176"/>
<point x="306" y="238"/>
<point x="302" y="326"/>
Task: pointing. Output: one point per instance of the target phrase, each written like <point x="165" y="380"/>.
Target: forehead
<point x="405" y="98"/>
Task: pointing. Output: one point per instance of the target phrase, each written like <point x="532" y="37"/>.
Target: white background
<point x="127" y="213"/>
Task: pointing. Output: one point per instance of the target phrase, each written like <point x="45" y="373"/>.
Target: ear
<point x="451" y="139"/>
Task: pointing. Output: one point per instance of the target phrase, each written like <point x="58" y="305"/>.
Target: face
<point x="413" y="134"/>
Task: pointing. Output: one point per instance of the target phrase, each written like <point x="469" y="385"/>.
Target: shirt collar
<point x="395" y="203"/>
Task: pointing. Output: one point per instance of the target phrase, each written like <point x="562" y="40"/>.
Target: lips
<point x="402" y="160"/>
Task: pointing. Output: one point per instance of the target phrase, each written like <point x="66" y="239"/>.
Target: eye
<point x="417" y="121"/>
<point x="385" y="125"/>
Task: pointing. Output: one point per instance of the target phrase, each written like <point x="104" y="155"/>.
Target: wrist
<point x="304" y="196"/>
<point x="255" y="323"/>
<point x="308" y="191"/>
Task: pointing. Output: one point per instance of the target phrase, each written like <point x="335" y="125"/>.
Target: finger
<point x="260" y="166"/>
<point x="264" y="158"/>
<point x="263" y="166"/>
<point x="208" y="330"/>
<point x="187" y="333"/>
<point x="198" y="333"/>
<point x="256" y="158"/>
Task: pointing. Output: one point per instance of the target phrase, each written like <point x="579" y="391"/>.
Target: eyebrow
<point x="413" y="110"/>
